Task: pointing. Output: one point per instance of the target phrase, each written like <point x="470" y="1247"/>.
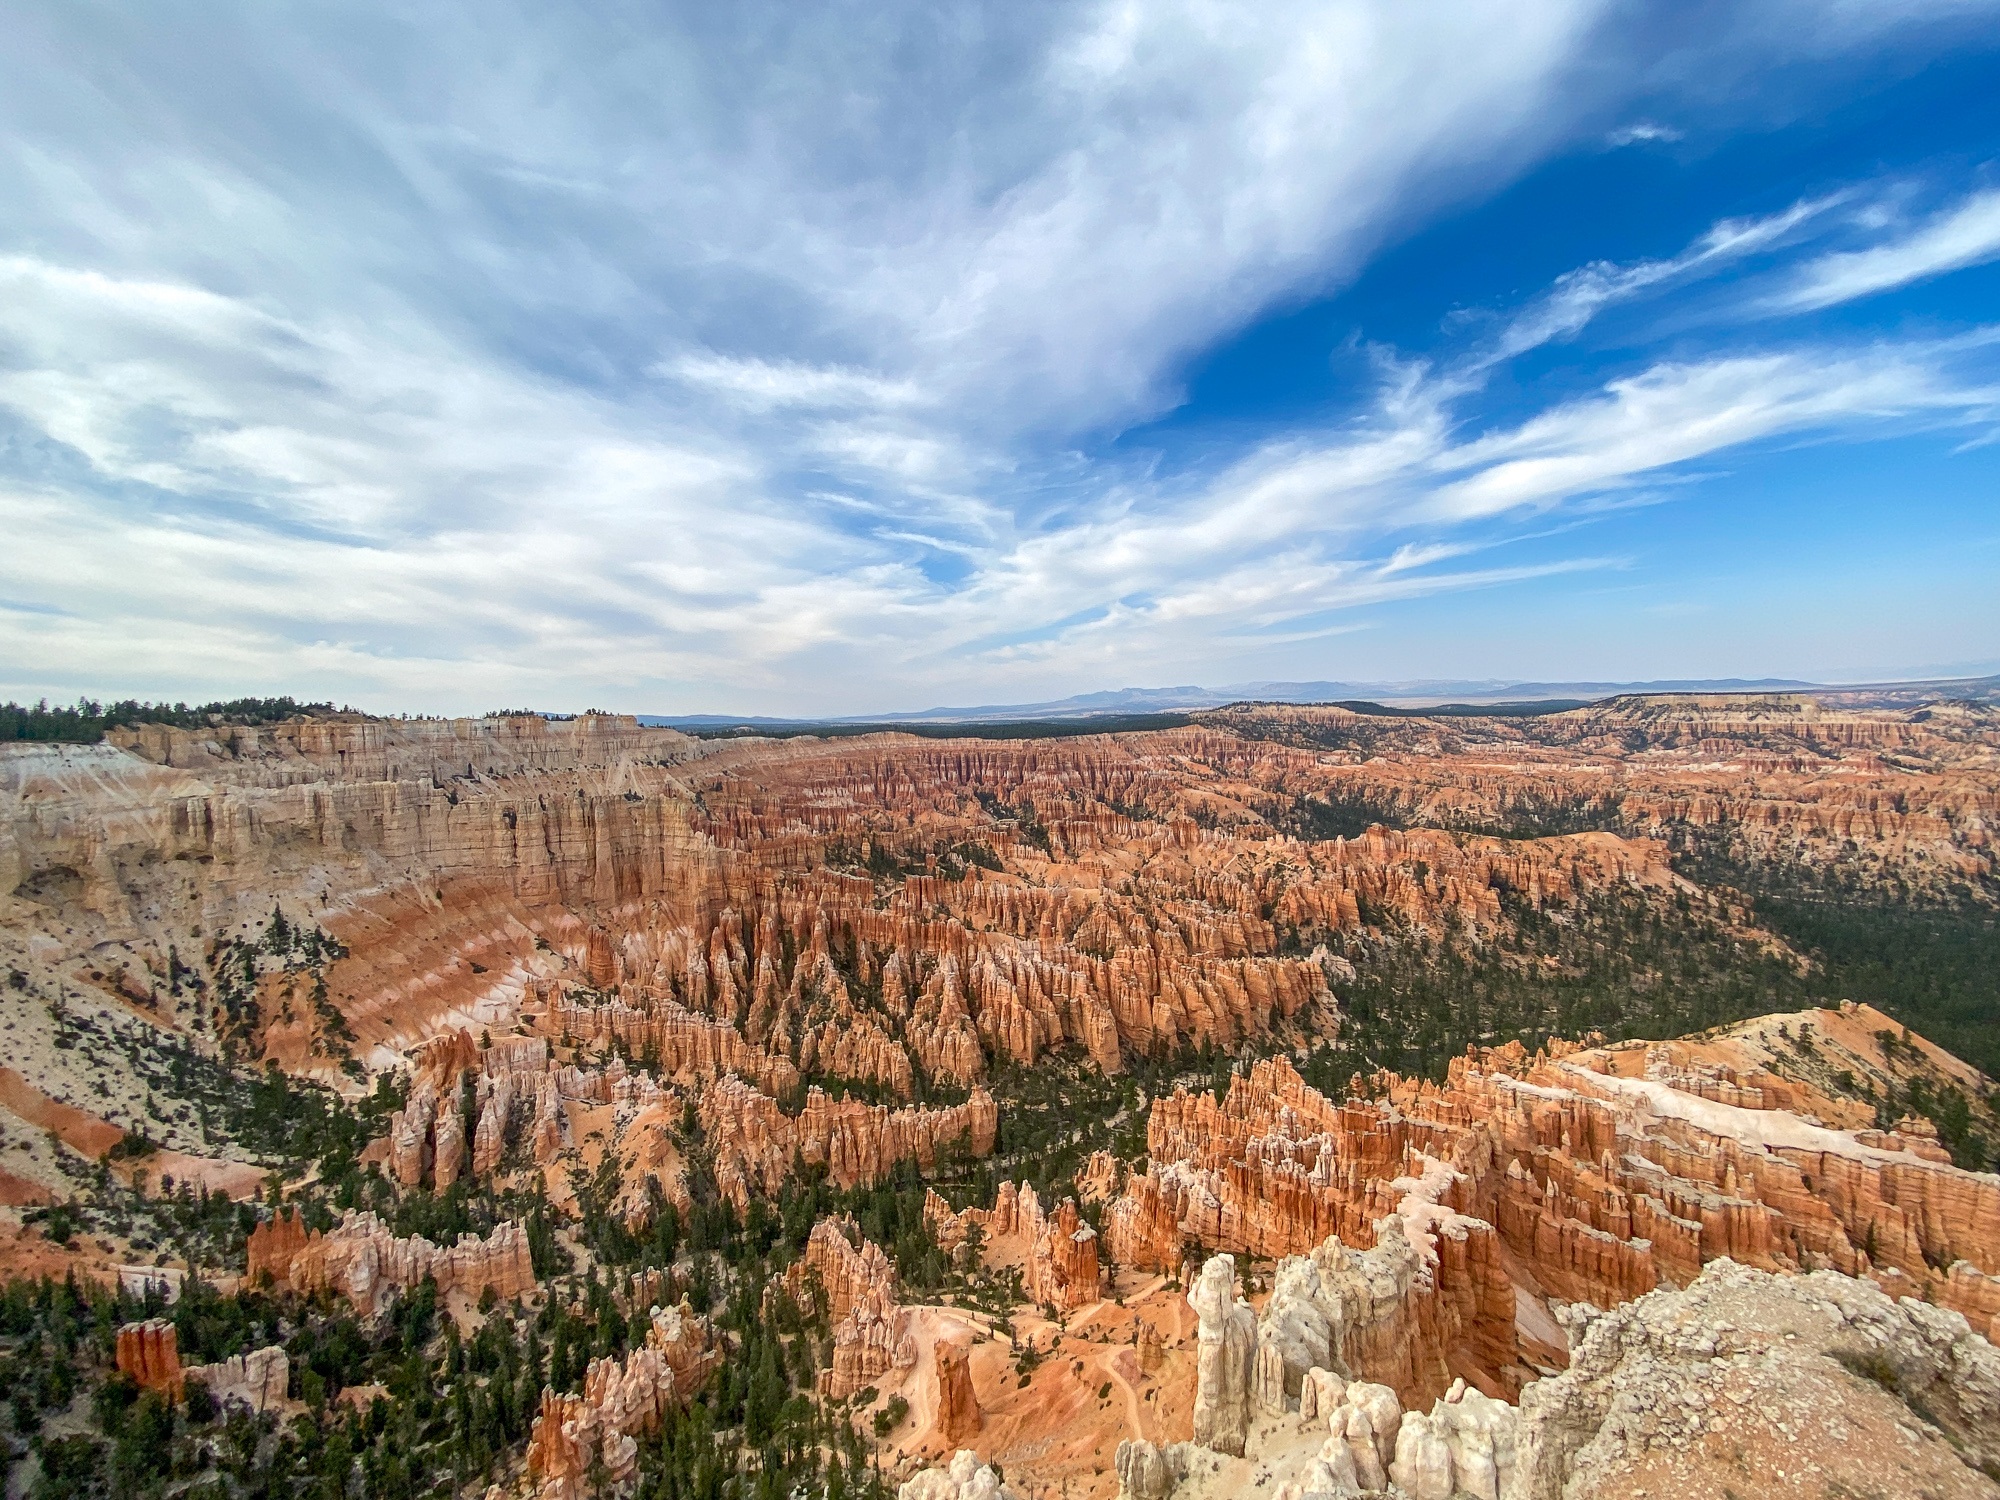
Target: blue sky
<point x="804" y="359"/>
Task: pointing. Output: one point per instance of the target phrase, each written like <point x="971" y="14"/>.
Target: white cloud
<point x="1674" y="413"/>
<point x="1643" y="130"/>
<point x="1580" y="295"/>
<point x="1967" y="234"/>
<point x="728" y="359"/>
<point x="418" y="519"/>
<point x="763" y="385"/>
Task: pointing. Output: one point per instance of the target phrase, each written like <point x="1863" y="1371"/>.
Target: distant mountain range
<point x="1417" y="693"/>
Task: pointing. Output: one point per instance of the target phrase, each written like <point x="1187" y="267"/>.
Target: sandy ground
<point x="26" y="1251"/>
<point x="1055" y="1434"/>
<point x="90" y="1136"/>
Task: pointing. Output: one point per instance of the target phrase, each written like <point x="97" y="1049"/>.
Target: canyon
<point x="1417" y="1074"/>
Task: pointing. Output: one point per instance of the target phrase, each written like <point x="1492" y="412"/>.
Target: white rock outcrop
<point x="257" y="1380"/>
<point x="1146" y="1471"/>
<point x="1296" y="1324"/>
<point x="1821" y="1380"/>
<point x="1462" y="1449"/>
<point x="1465" y="1446"/>
<point x="1227" y="1347"/>
<point x="964" y="1478"/>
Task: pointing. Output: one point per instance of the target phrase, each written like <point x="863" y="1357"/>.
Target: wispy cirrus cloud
<point x="1966" y="234"/>
<point x="1641" y="132"/>
<point x="768" y="385"/>
<point x="766" y="356"/>
<point x="1579" y="296"/>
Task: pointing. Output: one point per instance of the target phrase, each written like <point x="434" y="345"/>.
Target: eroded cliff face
<point x="361" y="1260"/>
<point x="622" y="969"/>
<point x="1902" y="798"/>
<point x="1745" y="1382"/>
<point x="582" y="1442"/>
<point x="1577" y="1175"/>
<point x="1057" y="1250"/>
<point x="871" y="1330"/>
<point x="872" y="910"/>
<point x="149" y="1353"/>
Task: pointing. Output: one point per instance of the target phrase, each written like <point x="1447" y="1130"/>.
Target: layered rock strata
<point x="724" y="892"/>
<point x="1901" y="796"/>
<point x="756" y="1144"/>
<point x="1573" y="1168"/>
<point x="515" y="1085"/>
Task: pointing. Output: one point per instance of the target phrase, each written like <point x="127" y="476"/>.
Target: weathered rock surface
<point x="149" y="1352"/>
<point x="1901" y="793"/>
<point x="1777" y="1385"/>
<point x="1144" y="1472"/>
<point x="1060" y="1268"/>
<point x="964" y="1478"/>
<point x="361" y="1260"/>
<point x="1464" y="1446"/>
<point x="755" y="1143"/>
<point x="871" y="1334"/>
<point x="620" y="1403"/>
<point x="1227" y="1335"/>
<point x="257" y="1380"/>
<point x="482" y="872"/>
<point x="958" y="1416"/>
<point x="1595" y="1174"/>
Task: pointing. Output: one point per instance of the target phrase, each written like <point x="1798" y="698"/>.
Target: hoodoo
<point x="1105" y="1115"/>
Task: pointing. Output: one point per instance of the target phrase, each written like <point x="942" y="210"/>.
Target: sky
<point x="830" y="358"/>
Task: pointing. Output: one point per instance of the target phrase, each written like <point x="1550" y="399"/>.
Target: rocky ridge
<point x="149" y="1352"/>
<point x="1569" y="1175"/>
<point x="361" y="1260"/>
<point x="871" y="1334"/>
<point x="585" y="1441"/>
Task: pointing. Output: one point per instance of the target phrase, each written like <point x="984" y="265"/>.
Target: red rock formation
<point x="1102" y="1177"/>
<point x="850" y="1270"/>
<point x="620" y="1403"/>
<point x="958" y="1415"/>
<point x="756" y="1143"/>
<point x="1062" y="1267"/>
<point x="1599" y="1184"/>
<point x="1142" y="1227"/>
<point x="466" y="863"/>
<point x="274" y="1245"/>
<point x="362" y="1261"/>
<point x="1902" y="793"/>
<point x="871" y="1330"/>
<point x="149" y="1352"/>
<point x="670" y="1038"/>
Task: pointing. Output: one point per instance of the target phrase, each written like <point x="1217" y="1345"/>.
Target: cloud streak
<point x="1967" y="234"/>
